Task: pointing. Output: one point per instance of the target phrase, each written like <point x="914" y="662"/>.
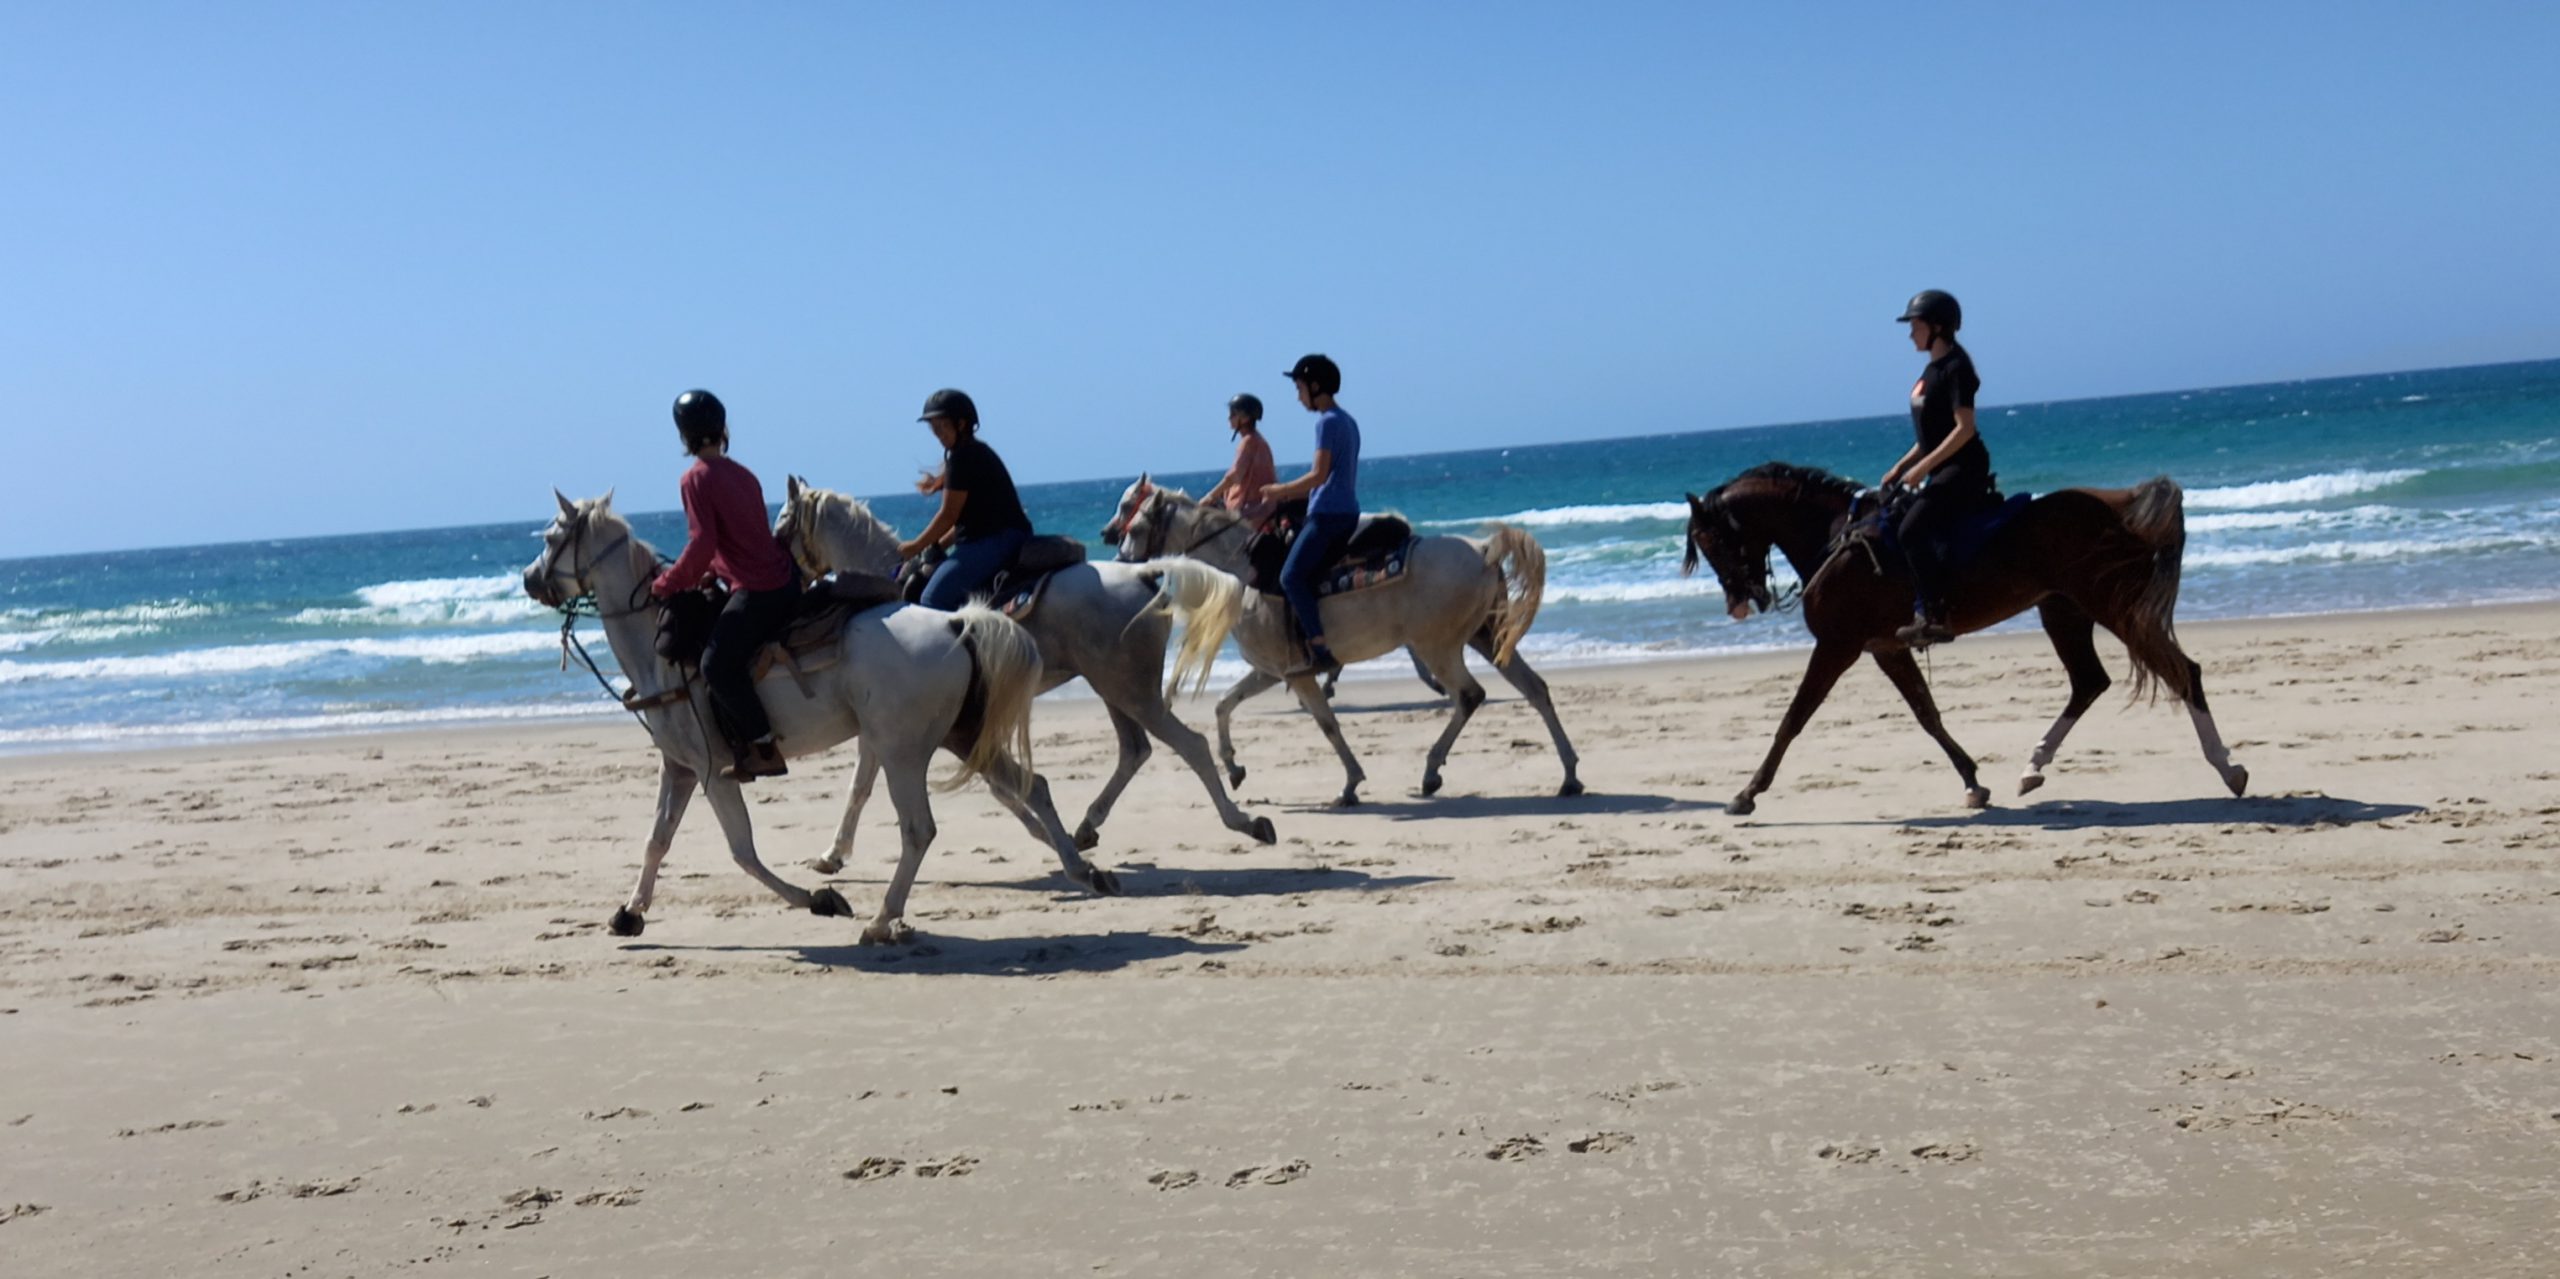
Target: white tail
<point x="1009" y="677"/>
<point x="1523" y="564"/>
<point x="1207" y="601"/>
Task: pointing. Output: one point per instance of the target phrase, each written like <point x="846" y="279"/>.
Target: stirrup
<point x="1921" y="632"/>
<point x="760" y="759"/>
<point x="635" y="701"/>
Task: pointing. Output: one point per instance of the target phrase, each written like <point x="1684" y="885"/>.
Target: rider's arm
<point x="944" y="521"/>
<point x="1891" y="477"/>
<point x="701" y="537"/>
<point x="1956" y="439"/>
<point x="1304" y="484"/>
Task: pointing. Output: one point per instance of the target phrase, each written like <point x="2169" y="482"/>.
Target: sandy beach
<point x="348" y="1006"/>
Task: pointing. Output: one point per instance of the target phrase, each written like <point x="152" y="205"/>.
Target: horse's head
<point x="1131" y="498"/>
<point x="826" y="532"/>
<point x="579" y="539"/>
<point x="1741" y="565"/>
<point x="797" y="529"/>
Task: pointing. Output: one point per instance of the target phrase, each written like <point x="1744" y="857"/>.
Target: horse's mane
<point x="1808" y="476"/>
<point x="858" y="511"/>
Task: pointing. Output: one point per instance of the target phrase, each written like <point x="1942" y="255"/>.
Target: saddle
<point x="1874" y="522"/>
<point x="1017" y="586"/>
<point x="810" y="643"/>
<point x="1376" y="553"/>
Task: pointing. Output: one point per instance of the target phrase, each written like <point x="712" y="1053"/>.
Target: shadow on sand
<point x="1146" y="879"/>
<point x="2300" y="811"/>
<point x="1417" y="808"/>
<point x="983" y="956"/>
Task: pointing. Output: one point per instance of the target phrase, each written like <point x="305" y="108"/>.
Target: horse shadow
<point x="1146" y="879"/>
<point x="1420" y="808"/>
<point x="943" y="954"/>
<point x="2298" y="811"/>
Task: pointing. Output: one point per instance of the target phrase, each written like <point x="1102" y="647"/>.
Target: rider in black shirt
<point x="1947" y="464"/>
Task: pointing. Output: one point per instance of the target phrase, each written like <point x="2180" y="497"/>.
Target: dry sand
<point x="347" y="1006"/>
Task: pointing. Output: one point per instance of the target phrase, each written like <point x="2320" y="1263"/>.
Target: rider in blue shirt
<point x="1333" y="510"/>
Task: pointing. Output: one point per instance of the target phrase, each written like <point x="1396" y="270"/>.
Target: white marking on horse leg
<point x="675" y="791"/>
<point x="2043" y="754"/>
<point x="730" y="806"/>
<point x="866" y="770"/>
<point x="2215" y="753"/>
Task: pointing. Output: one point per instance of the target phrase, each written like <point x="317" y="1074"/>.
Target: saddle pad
<point x="1018" y="601"/>
<point x="1377" y="568"/>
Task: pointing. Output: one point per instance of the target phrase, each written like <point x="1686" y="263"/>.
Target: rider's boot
<point x="759" y="758"/>
<point x="1928" y="626"/>
<point x="1314" y="659"/>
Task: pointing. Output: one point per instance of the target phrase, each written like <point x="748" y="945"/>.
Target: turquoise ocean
<point x="2388" y="491"/>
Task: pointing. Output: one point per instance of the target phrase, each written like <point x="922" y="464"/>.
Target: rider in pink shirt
<point x="1240" y="489"/>
<point x="726" y="535"/>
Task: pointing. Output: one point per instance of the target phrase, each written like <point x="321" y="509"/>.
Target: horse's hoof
<point x="1430" y="784"/>
<point x="1262" y="831"/>
<point x="2237" y="778"/>
<point x="1102" y="882"/>
<point x="1978" y="797"/>
<point x="827" y="865"/>
<point x="1742" y="805"/>
<point x="1087" y="837"/>
<point x="1572" y="787"/>
<point x="1346" y="799"/>
<point x="2030" y="782"/>
<point x="627" y="923"/>
<point x="1235" y="776"/>
<point x="827" y="901"/>
<point x="892" y="932"/>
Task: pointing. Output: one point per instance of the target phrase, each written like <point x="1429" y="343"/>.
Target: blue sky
<point x="274" y="270"/>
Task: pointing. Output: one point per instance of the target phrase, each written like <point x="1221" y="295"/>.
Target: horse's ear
<point x="567" y="507"/>
<point x="792" y="487"/>
<point x="605" y="503"/>
<point x="1694" y="500"/>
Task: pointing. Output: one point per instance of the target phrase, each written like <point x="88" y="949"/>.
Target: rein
<point x="1233" y="523"/>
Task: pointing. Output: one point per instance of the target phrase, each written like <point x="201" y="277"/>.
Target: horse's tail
<point x="1008" y="675"/>
<point x="2157" y="516"/>
<point x="1207" y="601"/>
<point x="1516" y="555"/>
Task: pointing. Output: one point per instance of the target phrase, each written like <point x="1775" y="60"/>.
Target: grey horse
<point x="909" y="681"/>
<point x="1106" y="622"/>
<point x="1456" y="593"/>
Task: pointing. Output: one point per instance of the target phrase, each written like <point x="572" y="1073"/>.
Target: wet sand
<point x="348" y="1006"/>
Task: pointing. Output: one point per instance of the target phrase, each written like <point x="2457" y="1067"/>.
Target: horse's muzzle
<point x="1110" y="535"/>
<point x="537" y="584"/>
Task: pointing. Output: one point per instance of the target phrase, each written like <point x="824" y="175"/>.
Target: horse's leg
<point x="1187" y="742"/>
<point x="1026" y="795"/>
<point x="675" y="790"/>
<point x="2209" y="737"/>
<point x="1533" y="687"/>
<point x="913" y="798"/>
<point x="729" y="804"/>
<point x="1830" y="660"/>
<point x="1133" y="752"/>
<point x="1465" y="695"/>
<point x="2074" y="638"/>
<point x="1252" y="685"/>
<point x="866" y="770"/>
<point x="1311" y="696"/>
<point x="1904" y="670"/>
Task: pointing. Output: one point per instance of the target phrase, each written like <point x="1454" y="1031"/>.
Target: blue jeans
<point x="1314" y="551"/>
<point x="971" y="568"/>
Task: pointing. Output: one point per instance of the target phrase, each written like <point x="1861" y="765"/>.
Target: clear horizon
<point x="284" y="271"/>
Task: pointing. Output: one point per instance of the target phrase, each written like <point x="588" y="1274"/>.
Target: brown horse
<point x="2079" y="557"/>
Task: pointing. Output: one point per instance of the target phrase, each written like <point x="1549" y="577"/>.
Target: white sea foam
<point x="1702" y="586"/>
<point x="2247" y="521"/>
<point x="19" y="641"/>
<point x="59" y="735"/>
<point x="434" y="650"/>
<point x="2309" y="488"/>
<point x="1547" y="517"/>
<point x="152" y="613"/>
<point x="2378" y="549"/>
<point x="431" y="601"/>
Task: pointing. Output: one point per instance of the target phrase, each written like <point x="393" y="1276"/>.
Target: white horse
<point x="1106" y="622"/>
<point x="908" y="680"/>
<point x="1455" y="593"/>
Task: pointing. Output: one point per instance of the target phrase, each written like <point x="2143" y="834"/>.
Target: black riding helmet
<point x="1319" y="372"/>
<point x="951" y="403"/>
<point x="701" y="419"/>
<point x="1933" y="306"/>
<point x="1247" y="404"/>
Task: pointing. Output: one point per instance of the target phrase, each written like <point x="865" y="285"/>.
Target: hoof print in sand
<point x="293" y="1190"/>
<point x="875" y="1168"/>
<point x="1261" y="1176"/>
<point x="1515" y="1149"/>
<point x="1174" y="1179"/>
<point x="14" y="1211"/>
<point x="618" y="1197"/>
<point x="1601" y="1143"/>
<point x="1947" y="1152"/>
<point x="1849" y="1154"/>
<point x="955" y="1166"/>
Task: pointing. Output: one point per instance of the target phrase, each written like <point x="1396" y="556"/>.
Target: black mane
<point x="1809" y="476"/>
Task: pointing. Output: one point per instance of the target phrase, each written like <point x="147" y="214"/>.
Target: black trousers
<point x="1927" y="531"/>
<point x="751" y="620"/>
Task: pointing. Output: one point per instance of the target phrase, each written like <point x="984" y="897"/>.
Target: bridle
<point x="1755" y="567"/>
<point x="1160" y="526"/>
<point x="585" y="604"/>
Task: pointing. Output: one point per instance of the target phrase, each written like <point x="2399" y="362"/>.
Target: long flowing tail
<point x="1207" y="602"/>
<point x="1008" y="678"/>
<point x="2157" y="514"/>
<point x="1512" y="552"/>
